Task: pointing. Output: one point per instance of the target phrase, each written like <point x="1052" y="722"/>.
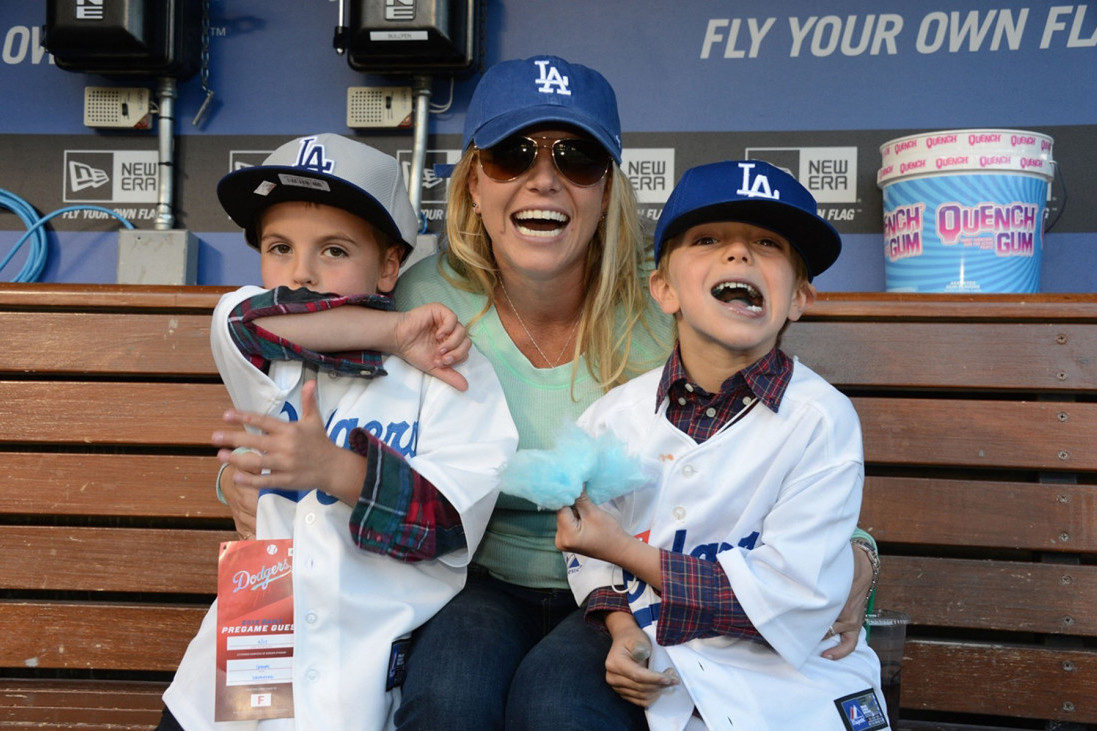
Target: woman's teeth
<point x="539" y="223"/>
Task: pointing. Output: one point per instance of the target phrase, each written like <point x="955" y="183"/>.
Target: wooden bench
<point x="980" y="429"/>
<point x="109" y="525"/>
<point x="980" y="422"/>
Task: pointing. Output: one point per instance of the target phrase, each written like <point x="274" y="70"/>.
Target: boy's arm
<point x="697" y="600"/>
<point x="298" y="324"/>
<point x="398" y="512"/>
<point x="405" y="517"/>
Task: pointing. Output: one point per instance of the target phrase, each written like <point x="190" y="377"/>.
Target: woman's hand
<point x="242" y="501"/>
<point x="848" y="624"/>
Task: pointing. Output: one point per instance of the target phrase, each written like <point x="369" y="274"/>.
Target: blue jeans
<point x="501" y="656"/>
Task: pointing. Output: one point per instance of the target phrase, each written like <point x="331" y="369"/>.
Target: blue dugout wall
<point x="808" y="84"/>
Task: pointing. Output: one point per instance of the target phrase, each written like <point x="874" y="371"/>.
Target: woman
<point x="544" y="252"/>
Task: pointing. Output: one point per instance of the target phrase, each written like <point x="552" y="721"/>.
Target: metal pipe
<point x="165" y="212"/>
<point x="421" y="89"/>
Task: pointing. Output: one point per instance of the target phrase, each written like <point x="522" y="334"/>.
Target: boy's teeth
<point x="732" y="291"/>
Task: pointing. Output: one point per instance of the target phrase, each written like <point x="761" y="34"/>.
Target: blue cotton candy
<point x="554" y="478"/>
<point x="615" y="473"/>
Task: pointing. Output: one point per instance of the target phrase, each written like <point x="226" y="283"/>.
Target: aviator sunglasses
<point x="583" y="162"/>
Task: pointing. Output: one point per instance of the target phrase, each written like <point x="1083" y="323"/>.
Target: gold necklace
<point x="552" y="363"/>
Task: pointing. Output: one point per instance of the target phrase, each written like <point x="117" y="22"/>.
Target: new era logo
<point x="82" y="176"/>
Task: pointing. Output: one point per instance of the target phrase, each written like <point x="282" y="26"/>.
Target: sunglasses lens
<point x="508" y="159"/>
<point x="583" y="162"/>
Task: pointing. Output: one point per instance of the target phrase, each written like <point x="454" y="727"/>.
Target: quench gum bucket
<point x="964" y="210"/>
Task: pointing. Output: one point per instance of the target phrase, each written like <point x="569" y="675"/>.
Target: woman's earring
<point x="476" y="208"/>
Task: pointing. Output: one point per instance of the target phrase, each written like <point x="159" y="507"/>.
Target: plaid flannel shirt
<point x="399" y="514"/>
<point x="697" y="599"/>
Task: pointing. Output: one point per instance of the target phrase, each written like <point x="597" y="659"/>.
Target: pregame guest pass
<point x="254" y="630"/>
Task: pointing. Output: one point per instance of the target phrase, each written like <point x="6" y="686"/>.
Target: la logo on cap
<point x="311" y="157"/>
<point x="551" y="77"/>
<point x="757" y="188"/>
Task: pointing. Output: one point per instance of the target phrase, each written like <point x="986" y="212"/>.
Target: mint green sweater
<point x="519" y="544"/>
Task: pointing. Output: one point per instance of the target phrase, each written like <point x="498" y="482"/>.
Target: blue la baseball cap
<point x="514" y="95"/>
<point x="751" y="191"/>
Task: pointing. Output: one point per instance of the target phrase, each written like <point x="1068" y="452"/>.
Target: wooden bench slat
<point x="81" y="343"/>
<point x="1024" y="682"/>
<point x="138" y="485"/>
<point x="81" y="704"/>
<point x="986" y="434"/>
<point x="90" y="413"/>
<point x="992" y="595"/>
<point x="899" y="307"/>
<point x="112" y="559"/>
<point x="1035" y="516"/>
<point x="1017" y="356"/>
<point x="52" y="296"/>
<point x="107" y="636"/>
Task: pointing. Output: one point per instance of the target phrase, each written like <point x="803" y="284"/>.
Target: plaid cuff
<point x="603" y="601"/>
<point x="400" y="513"/>
<point x="698" y="602"/>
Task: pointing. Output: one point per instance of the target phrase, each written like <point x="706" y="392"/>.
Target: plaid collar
<point x="767" y="378"/>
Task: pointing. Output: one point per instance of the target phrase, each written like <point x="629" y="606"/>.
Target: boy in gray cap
<point x="340" y="455"/>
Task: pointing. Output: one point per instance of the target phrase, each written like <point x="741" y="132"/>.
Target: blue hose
<point x="36" y="233"/>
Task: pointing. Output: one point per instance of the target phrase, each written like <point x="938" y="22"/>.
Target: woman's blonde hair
<point x="615" y="302"/>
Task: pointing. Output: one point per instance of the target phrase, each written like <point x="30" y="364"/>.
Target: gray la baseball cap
<point x="329" y="169"/>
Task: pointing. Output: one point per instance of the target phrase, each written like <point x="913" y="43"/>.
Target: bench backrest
<point x="109" y="525"/>
<point x="979" y="418"/>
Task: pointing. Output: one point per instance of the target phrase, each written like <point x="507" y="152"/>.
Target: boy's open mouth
<point x="539" y="223"/>
<point x="739" y="292"/>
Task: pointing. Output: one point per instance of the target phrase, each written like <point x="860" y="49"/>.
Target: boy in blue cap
<point x="760" y="472"/>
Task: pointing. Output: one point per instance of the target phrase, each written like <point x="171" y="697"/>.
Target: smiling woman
<point x="543" y="264"/>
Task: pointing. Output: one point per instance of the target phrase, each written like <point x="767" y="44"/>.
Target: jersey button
<point x="688" y="470"/>
<point x="679" y="513"/>
<point x="312" y="674"/>
<point x="311" y="617"/>
<point x="310" y="518"/>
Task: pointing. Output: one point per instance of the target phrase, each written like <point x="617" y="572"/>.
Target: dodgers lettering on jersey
<point x="399" y="435"/>
<point x="648" y="615"/>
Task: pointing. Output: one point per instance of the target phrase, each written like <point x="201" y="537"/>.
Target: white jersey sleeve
<point x="250" y="388"/>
